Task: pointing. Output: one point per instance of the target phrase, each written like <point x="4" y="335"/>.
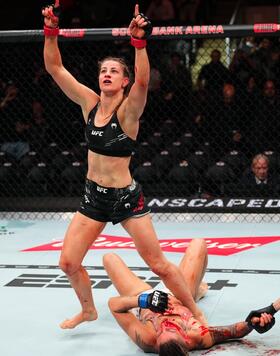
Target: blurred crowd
<point x="204" y="130"/>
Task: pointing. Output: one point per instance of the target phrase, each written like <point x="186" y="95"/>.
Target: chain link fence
<point x="213" y="105"/>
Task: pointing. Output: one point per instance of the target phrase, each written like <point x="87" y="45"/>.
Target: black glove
<point x="148" y="28"/>
<point x="56" y="11"/>
<point x="156" y="301"/>
<point x="257" y="313"/>
<point x="53" y="14"/>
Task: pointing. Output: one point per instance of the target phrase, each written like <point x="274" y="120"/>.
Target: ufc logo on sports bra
<point x="102" y="190"/>
<point x="97" y="133"/>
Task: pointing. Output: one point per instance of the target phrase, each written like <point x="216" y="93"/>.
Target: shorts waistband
<point x="109" y="191"/>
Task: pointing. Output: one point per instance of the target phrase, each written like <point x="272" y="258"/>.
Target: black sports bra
<point x="108" y="140"/>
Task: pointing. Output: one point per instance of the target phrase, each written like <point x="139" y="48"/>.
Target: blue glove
<point x="156" y="301"/>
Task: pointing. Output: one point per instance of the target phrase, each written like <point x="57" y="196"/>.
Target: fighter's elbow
<point x="143" y="83"/>
<point x="51" y="69"/>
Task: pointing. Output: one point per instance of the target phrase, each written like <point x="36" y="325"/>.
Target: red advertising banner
<point x="223" y="246"/>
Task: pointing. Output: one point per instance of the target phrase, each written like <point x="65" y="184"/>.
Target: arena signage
<point x="72" y="33"/>
<point x="266" y="27"/>
<point x="187" y="30"/>
<point x="215" y="246"/>
<point x="175" y="30"/>
<point x="184" y="205"/>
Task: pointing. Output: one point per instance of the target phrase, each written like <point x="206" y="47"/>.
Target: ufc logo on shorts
<point x="97" y="133"/>
<point x="124" y="197"/>
<point x="102" y="190"/>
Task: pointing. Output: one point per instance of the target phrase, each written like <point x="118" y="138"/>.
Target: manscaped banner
<point x="179" y="204"/>
<point x="223" y="246"/>
<point x="214" y="205"/>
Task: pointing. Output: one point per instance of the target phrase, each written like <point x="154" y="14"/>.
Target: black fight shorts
<point x="113" y="204"/>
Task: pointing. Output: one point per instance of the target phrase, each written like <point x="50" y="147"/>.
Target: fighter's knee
<point x="161" y="268"/>
<point x="198" y="248"/>
<point x="111" y="303"/>
<point x="109" y="258"/>
<point x="68" y="267"/>
<point x="199" y="243"/>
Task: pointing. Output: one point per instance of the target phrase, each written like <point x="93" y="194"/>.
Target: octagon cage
<point x="212" y="113"/>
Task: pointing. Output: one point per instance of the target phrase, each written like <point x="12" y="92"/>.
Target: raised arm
<point x="140" y="28"/>
<point x="77" y="92"/>
<point x="139" y="333"/>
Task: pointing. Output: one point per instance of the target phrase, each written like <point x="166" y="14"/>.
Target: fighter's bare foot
<point x="78" y="319"/>
<point x="202" y="290"/>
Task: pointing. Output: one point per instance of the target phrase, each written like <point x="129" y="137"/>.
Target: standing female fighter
<point x="111" y="194"/>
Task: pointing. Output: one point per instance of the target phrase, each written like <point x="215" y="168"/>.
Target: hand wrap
<point x="257" y="313"/>
<point x="51" y="31"/>
<point x="156" y="301"/>
<point x="138" y="42"/>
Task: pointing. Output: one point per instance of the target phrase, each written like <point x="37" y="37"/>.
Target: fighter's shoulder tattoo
<point x="221" y="333"/>
<point x="143" y="346"/>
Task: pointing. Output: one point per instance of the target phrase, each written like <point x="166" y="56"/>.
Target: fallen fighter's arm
<point x="261" y="320"/>
<point x="142" y="334"/>
<point x="229" y="332"/>
<point x="139" y="333"/>
<point x="238" y="330"/>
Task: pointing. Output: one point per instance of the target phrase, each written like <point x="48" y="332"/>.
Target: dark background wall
<point x="18" y="15"/>
<point x="15" y="14"/>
